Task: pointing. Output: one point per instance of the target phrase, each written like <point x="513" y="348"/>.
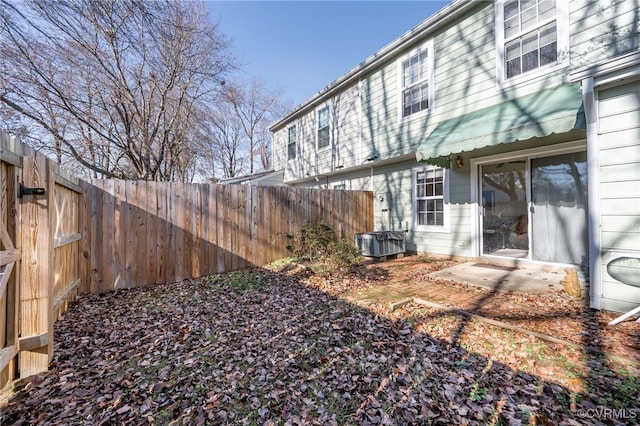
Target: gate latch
<point x="29" y="191"/>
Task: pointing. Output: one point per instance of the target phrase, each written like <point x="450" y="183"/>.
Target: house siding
<point x="345" y="139"/>
<point x="619" y="147"/>
<point x="465" y="81"/>
<point x="602" y="29"/>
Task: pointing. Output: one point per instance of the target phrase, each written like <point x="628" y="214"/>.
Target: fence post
<point x="36" y="287"/>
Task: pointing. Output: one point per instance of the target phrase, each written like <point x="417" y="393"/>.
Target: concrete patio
<point x="527" y="279"/>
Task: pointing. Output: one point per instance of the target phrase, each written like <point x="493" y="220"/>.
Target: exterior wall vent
<point x="381" y="243"/>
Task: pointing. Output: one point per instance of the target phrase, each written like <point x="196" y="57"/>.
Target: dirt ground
<point x="588" y="339"/>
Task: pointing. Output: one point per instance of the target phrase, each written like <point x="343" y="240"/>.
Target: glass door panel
<point x="559" y="214"/>
<point x="505" y="213"/>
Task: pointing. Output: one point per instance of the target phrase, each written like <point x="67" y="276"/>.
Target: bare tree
<point x="222" y="143"/>
<point x="118" y="85"/>
<point x="234" y="138"/>
<point x="255" y="108"/>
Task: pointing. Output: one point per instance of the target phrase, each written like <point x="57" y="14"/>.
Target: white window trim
<point x="414" y="201"/>
<point x="317" y="110"/>
<point x="338" y="184"/>
<point x="295" y="125"/>
<point x="562" y="33"/>
<point x="429" y="47"/>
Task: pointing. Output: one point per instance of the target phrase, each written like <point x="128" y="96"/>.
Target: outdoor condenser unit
<point x="381" y="243"/>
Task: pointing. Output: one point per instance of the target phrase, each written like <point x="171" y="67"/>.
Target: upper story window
<point x="324" y="133"/>
<point x="416" y="81"/>
<point x="531" y="34"/>
<point x="291" y="142"/>
<point x="431" y="206"/>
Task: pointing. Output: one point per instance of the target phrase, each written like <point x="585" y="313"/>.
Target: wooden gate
<point x="39" y="248"/>
<point x="9" y="269"/>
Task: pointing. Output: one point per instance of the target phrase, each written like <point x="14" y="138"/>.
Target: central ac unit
<point x="381" y="243"/>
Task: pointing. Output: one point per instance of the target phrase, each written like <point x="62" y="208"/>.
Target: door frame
<point x="526" y="154"/>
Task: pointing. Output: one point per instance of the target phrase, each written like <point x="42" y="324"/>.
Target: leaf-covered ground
<point x="261" y="347"/>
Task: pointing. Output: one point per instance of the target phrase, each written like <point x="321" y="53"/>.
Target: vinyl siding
<point x="465" y="81"/>
<point x="393" y="210"/>
<point x="602" y="29"/>
<point x="619" y="144"/>
<point x="345" y="139"/>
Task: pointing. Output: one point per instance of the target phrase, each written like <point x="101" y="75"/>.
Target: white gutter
<point x="353" y="169"/>
<point x="429" y="25"/>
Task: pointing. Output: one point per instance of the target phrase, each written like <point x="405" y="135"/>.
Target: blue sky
<point x="301" y="46"/>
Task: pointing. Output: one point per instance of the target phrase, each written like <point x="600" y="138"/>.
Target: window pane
<point x="548" y="34"/>
<point x="415" y="99"/>
<point x="422" y="218"/>
<point x="530" y="61"/>
<point x="530" y="42"/>
<point x="292" y="134"/>
<point x="439" y="189"/>
<point x="510" y="9"/>
<point x="511" y="27"/>
<point x="513" y="68"/>
<point x="546" y="9"/>
<point x="291" y="143"/>
<point x="323" y="117"/>
<point x="424" y="64"/>
<point x="529" y="18"/>
<point x="526" y="4"/>
<point x="291" y="148"/>
<point x="323" y="137"/>
<point x="548" y="54"/>
<point x="406" y="71"/>
<point x="513" y="50"/>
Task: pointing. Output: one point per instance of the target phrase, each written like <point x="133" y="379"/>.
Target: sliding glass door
<point x="504" y="205"/>
<point x="535" y="208"/>
<point x="559" y="208"/>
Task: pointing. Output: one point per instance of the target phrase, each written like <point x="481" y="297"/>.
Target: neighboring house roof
<point x="541" y="114"/>
<point x="454" y="9"/>
<point x="265" y="178"/>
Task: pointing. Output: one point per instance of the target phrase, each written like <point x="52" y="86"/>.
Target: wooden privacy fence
<point x="39" y="248"/>
<point x="140" y="233"/>
<point x="60" y="235"/>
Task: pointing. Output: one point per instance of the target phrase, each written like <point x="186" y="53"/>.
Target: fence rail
<point x="101" y="235"/>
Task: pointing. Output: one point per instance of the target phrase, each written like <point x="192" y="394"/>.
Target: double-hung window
<point x="431" y="209"/>
<point x="324" y="128"/>
<point x="416" y="81"/>
<point x="531" y="34"/>
<point x="291" y="142"/>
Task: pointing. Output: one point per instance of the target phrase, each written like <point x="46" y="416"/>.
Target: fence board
<point x="107" y="217"/>
<point x="212" y="242"/>
<point x="36" y="287"/>
<point x="172" y="231"/>
<point x="120" y="246"/>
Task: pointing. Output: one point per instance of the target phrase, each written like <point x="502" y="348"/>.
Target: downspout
<point x="593" y="191"/>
